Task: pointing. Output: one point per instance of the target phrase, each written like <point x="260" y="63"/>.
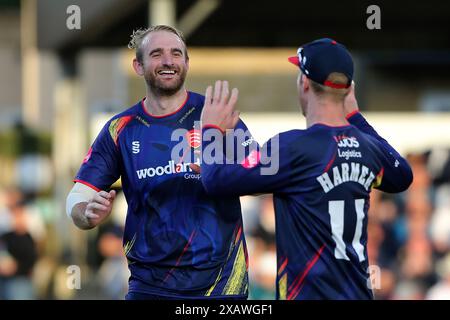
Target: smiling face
<point x="164" y="62"/>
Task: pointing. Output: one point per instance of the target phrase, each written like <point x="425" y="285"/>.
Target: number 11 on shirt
<point x="336" y="211"/>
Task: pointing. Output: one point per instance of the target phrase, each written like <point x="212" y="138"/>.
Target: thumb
<point x="195" y="167"/>
<point x="234" y="119"/>
<point x="112" y="194"/>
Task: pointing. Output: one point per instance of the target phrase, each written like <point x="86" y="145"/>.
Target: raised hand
<point x="350" y="102"/>
<point x="219" y="108"/>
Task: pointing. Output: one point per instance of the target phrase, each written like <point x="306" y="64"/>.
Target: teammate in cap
<point x="323" y="182"/>
<point x="179" y="241"/>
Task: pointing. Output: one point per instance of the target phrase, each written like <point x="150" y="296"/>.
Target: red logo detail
<point x="252" y="160"/>
<point x="88" y="156"/>
<point x="194" y="138"/>
<point x="340" y="137"/>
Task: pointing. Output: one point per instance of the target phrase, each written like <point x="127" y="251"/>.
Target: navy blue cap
<point x="319" y="58"/>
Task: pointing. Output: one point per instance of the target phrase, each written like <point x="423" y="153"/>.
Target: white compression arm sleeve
<point x="79" y="193"/>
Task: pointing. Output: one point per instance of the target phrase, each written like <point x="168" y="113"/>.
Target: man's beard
<point x="160" y="88"/>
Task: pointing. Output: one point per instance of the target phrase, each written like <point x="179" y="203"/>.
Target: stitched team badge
<point x="194" y="138"/>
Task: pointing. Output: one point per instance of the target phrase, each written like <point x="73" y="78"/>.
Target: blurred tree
<point x="21" y="140"/>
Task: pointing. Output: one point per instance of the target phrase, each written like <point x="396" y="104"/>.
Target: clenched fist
<point x="99" y="207"/>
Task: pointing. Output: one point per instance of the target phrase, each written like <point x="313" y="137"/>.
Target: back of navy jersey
<point x="323" y="215"/>
<point x="178" y="240"/>
<point x="321" y="179"/>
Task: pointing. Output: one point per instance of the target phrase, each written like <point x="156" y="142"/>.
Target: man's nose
<point x="167" y="59"/>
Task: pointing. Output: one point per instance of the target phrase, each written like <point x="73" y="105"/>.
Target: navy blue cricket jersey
<point x="178" y="240"/>
<point x="321" y="198"/>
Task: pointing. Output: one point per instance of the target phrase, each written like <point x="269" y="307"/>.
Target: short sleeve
<point x="101" y="166"/>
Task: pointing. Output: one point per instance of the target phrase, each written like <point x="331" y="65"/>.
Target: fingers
<point x="351" y="93"/>
<point x="352" y="87"/>
<point x="100" y="205"/>
<point x="225" y="92"/>
<point x="233" y="99"/>
<point x="103" y="194"/>
<point x="219" y="106"/>
<point x="103" y="198"/>
<point x="220" y="93"/>
<point x="96" y="206"/>
<point x="217" y="91"/>
<point x="208" y="94"/>
<point x="91" y="215"/>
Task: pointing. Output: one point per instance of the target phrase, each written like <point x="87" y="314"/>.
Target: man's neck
<point x="161" y="105"/>
<point x="326" y="112"/>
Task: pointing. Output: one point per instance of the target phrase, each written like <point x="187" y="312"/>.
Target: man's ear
<point x="138" y="67"/>
<point x="305" y="83"/>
